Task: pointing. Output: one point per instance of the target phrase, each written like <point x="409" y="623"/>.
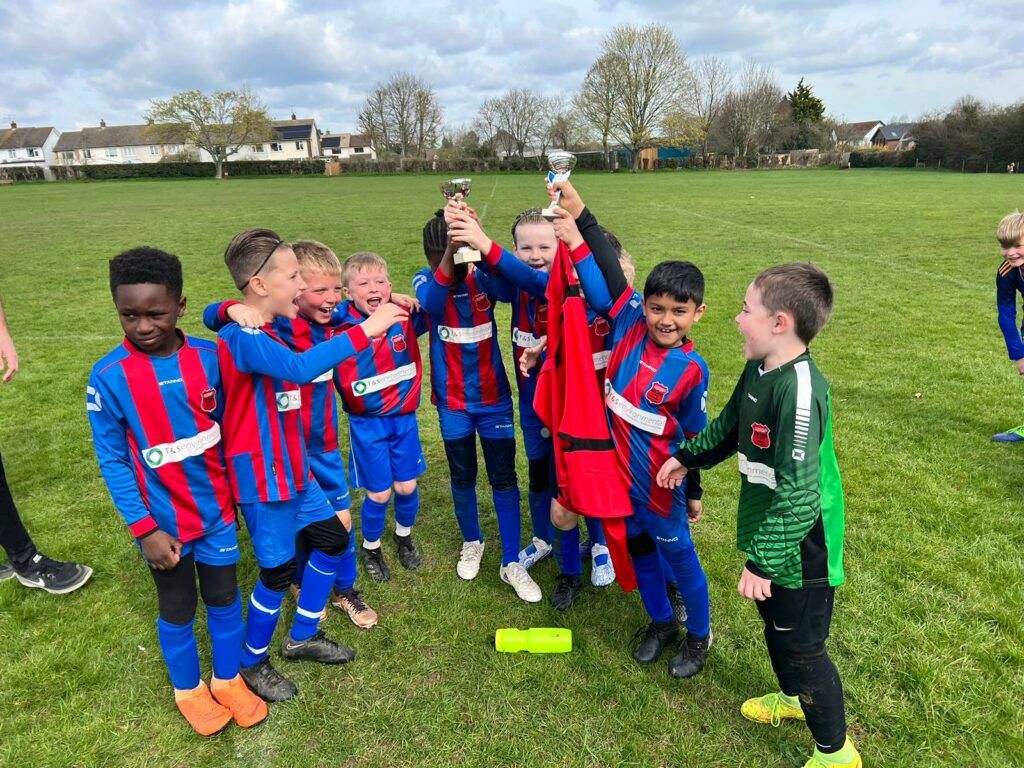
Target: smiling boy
<point x="1010" y="282"/>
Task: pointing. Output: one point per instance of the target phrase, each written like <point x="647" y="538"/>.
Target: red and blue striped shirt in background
<point x="385" y="378"/>
<point x="466" y="370"/>
<point x="156" y="432"/>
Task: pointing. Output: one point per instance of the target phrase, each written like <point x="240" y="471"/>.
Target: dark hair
<point x="801" y="290"/>
<point x="146" y="265"/>
<point x="435" y="235"/>
<point x="682" y="280"/>
<point x="248" y="253"/>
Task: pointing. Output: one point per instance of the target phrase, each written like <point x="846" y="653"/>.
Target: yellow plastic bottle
<point x="537" y="640"/>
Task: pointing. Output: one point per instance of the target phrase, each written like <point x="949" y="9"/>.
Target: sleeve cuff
<point x="684" y="457"/>
<point x="144" y="527"/>
<point x="222" y="313"/>
<point x="493" y="256"/>
<point x="442" y="278"/>
<point x="579" y="253"/>
<point x="755" y="569"/>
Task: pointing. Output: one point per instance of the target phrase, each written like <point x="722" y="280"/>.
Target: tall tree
<point x="517" y="117"/>
<point x="220" y="123"/>
<point x="402" y="116"/>
<point x="597" y="100"/>
<point x="808" y="116"/>
<point x="649" y="72"/>
<point x="704" y="94"/>
<point x="755" y="116"/>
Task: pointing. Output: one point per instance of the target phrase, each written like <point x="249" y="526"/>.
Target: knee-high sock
<point x="540" y="515"/>
<point x="264" y="608"/>
<point x="346" y="576"/>
<point x="567" y="550"/>
<point x="227" y="634"/>
<point x="466" y="513"/>
<point x="316" y="587"/>
<point x="506" y="505"/>
<point x="301" y="558"/>
<point x="178" y="645"/>
<point x="693" y="586"/>
<point x="651" y="583"/>
<point x="372" y="519"/>
<point x="595" y="530"/>
<point x="407" y="506"/>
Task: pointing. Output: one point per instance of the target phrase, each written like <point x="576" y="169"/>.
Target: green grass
<point x="928" y="631"/>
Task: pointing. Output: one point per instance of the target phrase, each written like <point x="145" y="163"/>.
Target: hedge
<point x="203" y="170"/>
<point x="879" y="158"/>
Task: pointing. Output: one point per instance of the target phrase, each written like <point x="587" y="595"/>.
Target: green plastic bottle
<point x="537" y="640"/>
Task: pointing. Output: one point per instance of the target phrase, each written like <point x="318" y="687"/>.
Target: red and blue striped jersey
<point x="264" y="437"/>
<point x="466" y="370"/>
<point x="319" y="412"/>
<point x="385" y="378"/>
<point x="530" y="309"/>
<point x="656" y="397"/>
<point x="157" y="436"/>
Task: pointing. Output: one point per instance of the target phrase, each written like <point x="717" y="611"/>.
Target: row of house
<point x="46" y="147"/>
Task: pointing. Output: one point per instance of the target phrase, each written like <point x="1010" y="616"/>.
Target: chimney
<point x="293" y="116"/>
<point x="13" y="125"/>
<point x="103" y="123"/>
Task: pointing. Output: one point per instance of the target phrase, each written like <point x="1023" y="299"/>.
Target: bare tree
<point x="597" y="100"/>
<point x="220" y="123"/>
<point x="704" y="94"/>
<point x="755" y="115"/>
<point x="566" y="128"/>
<point x="402" y="115"/>
<point x="518" y="117"/>
<point x="649" y="72"/>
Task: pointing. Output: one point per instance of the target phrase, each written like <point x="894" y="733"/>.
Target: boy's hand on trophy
<point x="570" y="198"/>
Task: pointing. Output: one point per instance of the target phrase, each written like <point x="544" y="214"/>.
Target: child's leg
<point x="500" y="460"/>
<point x="796" y="626"/>
<point x="407" y="464"/>
<point x="675" y="545"/>
<point x="327" y="539"/>
<point x="462" y="466"/>
<point x="650" y="582"/>
<point x="346" y="576"/>
<point x="540" y="498"/>
<point x="177" y="600"/>
<point x="373" y="515"/>
<point x="565" y="526"/>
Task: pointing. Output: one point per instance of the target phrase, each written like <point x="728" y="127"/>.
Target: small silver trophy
<point x="561" y="164"/>
<point x="451" y="188"/>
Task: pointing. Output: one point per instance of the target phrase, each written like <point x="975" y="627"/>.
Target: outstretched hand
<point x="530" y="358"/>
<point x="464" y="228"/>
<point x="566" y="229"/>
<point x="383" y="318"/>
<point x="245" y="316"/>
<point x="570" y="198"/>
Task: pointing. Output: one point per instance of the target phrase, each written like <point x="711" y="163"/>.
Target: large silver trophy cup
<point x="451" y="188"/>
<point x="561" y="165"/>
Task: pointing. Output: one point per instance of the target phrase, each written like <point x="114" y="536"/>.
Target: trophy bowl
<point x="561" y="164"/>
<point x="451" y="188"/>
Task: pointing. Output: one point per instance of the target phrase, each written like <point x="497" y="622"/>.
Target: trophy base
<point x="549" y="212"/>
<point x="466" y="255"/>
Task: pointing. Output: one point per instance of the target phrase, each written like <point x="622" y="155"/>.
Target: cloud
<point x="70" y="63"/>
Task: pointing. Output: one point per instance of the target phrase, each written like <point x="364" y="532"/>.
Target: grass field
<point x="928" y="632"/>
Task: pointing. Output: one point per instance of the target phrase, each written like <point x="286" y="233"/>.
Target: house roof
<point x="344" y="140"/>
<point x="856" y="131"/>
<point x="898" y="131"/>
<point x="109" y="136"/>
<point x="23" y="138"/>
<point x="288" y="130"/>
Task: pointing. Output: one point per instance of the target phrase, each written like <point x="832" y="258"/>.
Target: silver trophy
<point x="451" y="188"/>
<point x="561" y="165"/>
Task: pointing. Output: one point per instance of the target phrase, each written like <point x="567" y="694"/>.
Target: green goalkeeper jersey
<point x="790" y="521"/>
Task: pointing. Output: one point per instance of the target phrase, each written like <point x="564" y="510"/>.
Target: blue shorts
<point x="670" y="533"/>
<point x="493" y="422"/>
<point x="536" y="436"/>
<point x="217" y="548"/>
<point x="384" y="450"/>
<point x="273" y="525"/>
<point x="329" y="470"/>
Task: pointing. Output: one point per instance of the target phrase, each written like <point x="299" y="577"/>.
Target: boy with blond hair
<point x="1010" y="282"/>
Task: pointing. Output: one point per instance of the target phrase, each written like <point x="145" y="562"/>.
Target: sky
<point x="70" y="64"/>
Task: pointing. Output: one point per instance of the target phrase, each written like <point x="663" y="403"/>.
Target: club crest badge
<point x="656" y="393"/>
<point x="481" y="302"/>
<point x="601" y="327"/>
<point x="398" y="343"/>
<point x="759" y="436"/>
<point x="208" y="400"/>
